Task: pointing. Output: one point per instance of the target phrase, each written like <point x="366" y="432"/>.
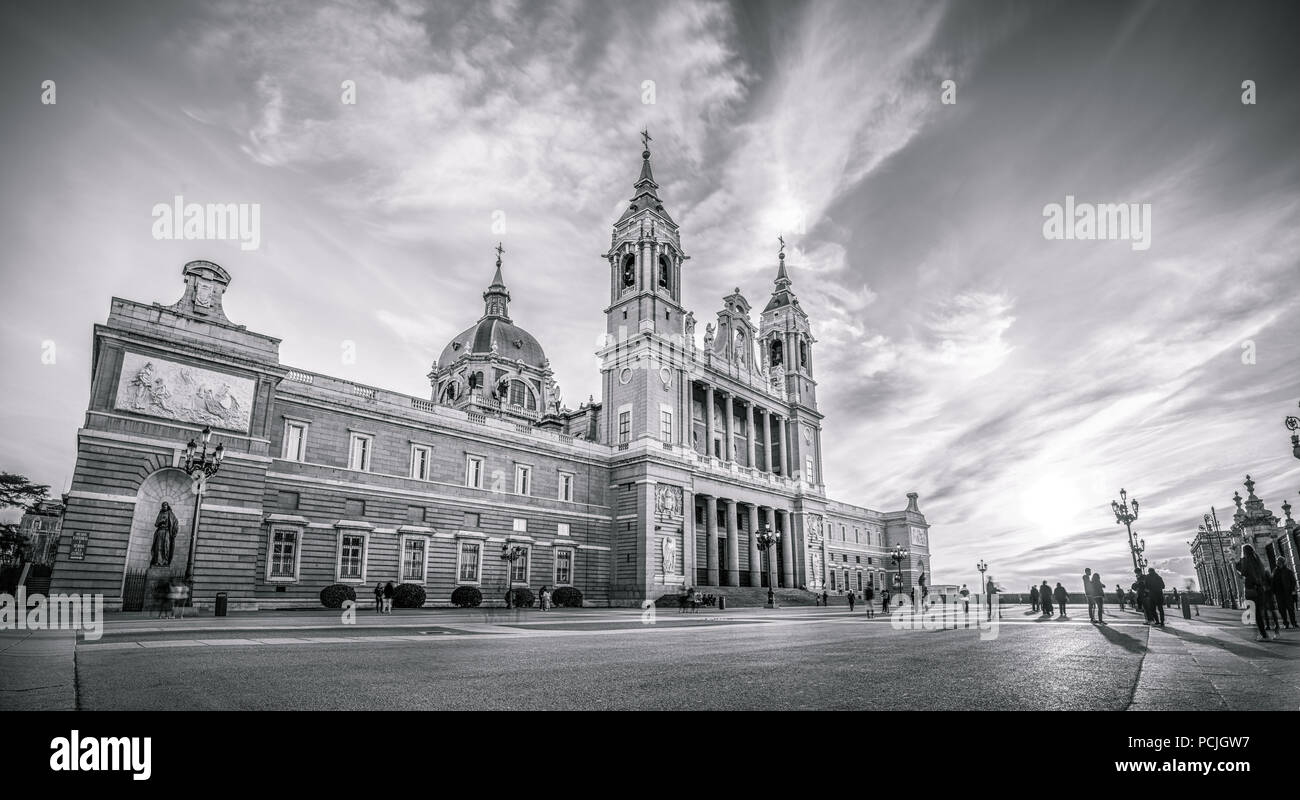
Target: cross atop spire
<point x="645" y="141"/>
<point x="781" y="253"/>
<point x="499" y="250"/>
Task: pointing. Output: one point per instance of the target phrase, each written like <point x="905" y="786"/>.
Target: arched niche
<point x="172" y="486"/>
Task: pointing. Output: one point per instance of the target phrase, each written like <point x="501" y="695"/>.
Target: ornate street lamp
<point x="510" y="555"/>
<point x="1293" y="424"/>
<point x="983" y="567"/>
<point x="200" y="465"/>
<point x="765" y="539"/>
<point x="898" y="556"/>
<point x="1126" y="512"/>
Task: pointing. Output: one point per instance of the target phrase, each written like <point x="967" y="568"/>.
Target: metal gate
<point x="133" y="591"/>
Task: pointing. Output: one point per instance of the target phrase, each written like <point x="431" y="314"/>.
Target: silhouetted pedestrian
<point x="1033" y="598"/>
<point x="1155" y="586"/>
<point x="1062" y="598"/>
<point x="1252" y="575"/>
<point x="852" y="598"/>
<point x="1098" y="597"/>
<point x="1284" y="592"/>
<point x="1045" y="598"/>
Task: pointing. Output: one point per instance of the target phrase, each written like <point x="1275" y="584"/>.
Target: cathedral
<point x="203" y="456"/>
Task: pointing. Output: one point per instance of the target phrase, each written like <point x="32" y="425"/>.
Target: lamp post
<point x="983" y="567"/>
<point x="1126" y="512"/>
<point x="200" y="465"/>
<point x="510" y="555"/>
<point x="765" y="539"/>
<point x="898" y="556"/>
<point x="1293" y="424"/>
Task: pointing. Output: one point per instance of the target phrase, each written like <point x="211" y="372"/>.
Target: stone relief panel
<point x="668" y="500"/>
<point x="161" y="388"/>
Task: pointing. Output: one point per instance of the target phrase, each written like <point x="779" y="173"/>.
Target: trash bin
<point x="221" y="604"/>
<point x="722" y="604"/>
<point x="1187" y="606"/>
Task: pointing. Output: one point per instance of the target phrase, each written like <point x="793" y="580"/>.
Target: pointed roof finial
<point x="499" y="250"/>
<point x="645" y="142"/>
<point x="781" y="253"/>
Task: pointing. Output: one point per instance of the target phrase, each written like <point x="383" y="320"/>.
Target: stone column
<point x="690" y="547"/>
<point x="708" y="420"/>
<point x="733" y="544"/>
<point x="729" y="410"/>
<point x="787" y="548"/>
<point x="711" y="543"/>
<point x="785" y="446"/>
<point x="755" y="558"/>
<point x="749" y="434"/>
<point x="767" y="438"/>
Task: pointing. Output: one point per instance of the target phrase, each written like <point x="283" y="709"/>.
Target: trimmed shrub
<point x="408" y="595"/>
<point x="332" y="596"/>
<point x="567" y="597"/>
<point x="523" y="598"/>
<point x="466" y="597"/>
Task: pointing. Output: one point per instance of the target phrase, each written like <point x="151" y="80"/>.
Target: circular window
<point x="625" y="375"/>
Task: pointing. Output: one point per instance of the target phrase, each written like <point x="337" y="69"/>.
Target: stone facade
<point x="664" y="483"/>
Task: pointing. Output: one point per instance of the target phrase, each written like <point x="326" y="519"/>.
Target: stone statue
<point x="557" y="398"/>
<point x="708" y="336"/>
<point x="690" y="326"/>
<point x="164" y="537"/>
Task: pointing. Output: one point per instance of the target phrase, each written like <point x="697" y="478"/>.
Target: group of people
<point x="1272" y="591"/>
<point x="1042" y="598"/>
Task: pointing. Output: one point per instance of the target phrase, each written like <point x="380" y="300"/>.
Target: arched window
<point x="665" y="273"/>
<point x="521" y="395"/>
<point x="777" y="352"/>
<point x="803" y="352"/>
<point x="629" y="271"/>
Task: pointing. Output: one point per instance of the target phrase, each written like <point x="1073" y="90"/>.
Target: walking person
<point x="826" y="598"/>
<point x="965" y="600"/>
<point x="379" y="597"/>
<point x="990" y="597"/>
<point x="1099" y="596"/>
<point x="852" y="597"/>
<point x="1155" y="586"/>
<point x="1088" y="595"/>
<point x="389" y="591"/>
<point x="1062" y="598"/>
<point x="1252" y="574"/>
<point x="1033" y="598"/>
<point x="1140" y="594"/>
<point x="1119" y="596"/>
<point x="1284" y="592"/>
<point x="1269" y="608"/>
<point x="1045" y="598"/>
<point x="884" y="604"/>
<point x="544" y="598"/>
<point x="867" y="597"/>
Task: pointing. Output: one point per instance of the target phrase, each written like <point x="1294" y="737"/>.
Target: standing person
<point x="1155" y="586"/>
<point x="1045" y="598"/>
<point x="826" y="598"/>
<point x="884" y="604"/>
<point x="389" y="591"/>
<point x="1140" y="594"/>
<point x="965" y="599"/>
<point x="1099" y="596"/>
<point x="379" y="597"/>
<point x="1269" y="608"/>
<point x="852" y="597"/>
<point x="1252" y="574"/>
<point x="1119" y="596"/>
<point x="990" y="597"/>
<point x="544" y="598"/>
<point x="1175" y="600"/>
<point x="1033" y="598"/>
<point x="867" y="598"/>
<point x="1088" y="595"/>
<point x="1284" y="592"/>
<point x="691" y="600"/>
<point x="1062" y="598"/>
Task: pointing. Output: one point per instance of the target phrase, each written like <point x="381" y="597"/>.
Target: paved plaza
<point x="789" y="658"/>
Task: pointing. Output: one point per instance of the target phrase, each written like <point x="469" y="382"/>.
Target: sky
<point x="1015" y="382"/>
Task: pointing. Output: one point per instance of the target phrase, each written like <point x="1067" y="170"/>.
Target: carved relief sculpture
<point x="181" y="392"/>
<point x="668" y="500"/>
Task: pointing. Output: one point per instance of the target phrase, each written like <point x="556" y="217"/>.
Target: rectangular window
<point x="809" y="471"/>
<point x="566" y="487"/>
<point x="284" y="554"/>
<point x="519" y="569"/>
<point x="471" y="520"/>
<point x="832" y="577"/>
<point x="421" y="457"/>
<point x="295" y="441"/>
<point x="359" y="452"/>
<point x="413" y="562"/>
<point x="474" y="472"/>
<point x="523" y="479"/>
<point x="666" y="426"/>
<point x="563" y="567"/>
<point x="624" y="426"/>
<point x="859" y="581"/>
<point x="352" y="548"/>
<point x="468" y="571"/>
<point x="562" y="529"/>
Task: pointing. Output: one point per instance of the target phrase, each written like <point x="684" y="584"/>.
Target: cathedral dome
<point x="493" y="333"/>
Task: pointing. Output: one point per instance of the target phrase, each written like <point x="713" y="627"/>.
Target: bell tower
<point x="787" y="346"/>
<point x="645" y="262"/>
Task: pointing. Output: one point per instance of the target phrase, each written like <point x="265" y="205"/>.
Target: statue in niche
<point x="164" y="537"/>
<point x="690" y="326"/>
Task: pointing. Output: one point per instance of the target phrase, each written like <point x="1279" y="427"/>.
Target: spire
<point x="646" y="175"/>
<point x="497" y="297"/>
<point x="782" y="295"/>
<point x="647" y="191"/>
<point x="782" y="278"/>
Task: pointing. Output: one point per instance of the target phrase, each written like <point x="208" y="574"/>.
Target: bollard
<point x="221" y="604"/>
